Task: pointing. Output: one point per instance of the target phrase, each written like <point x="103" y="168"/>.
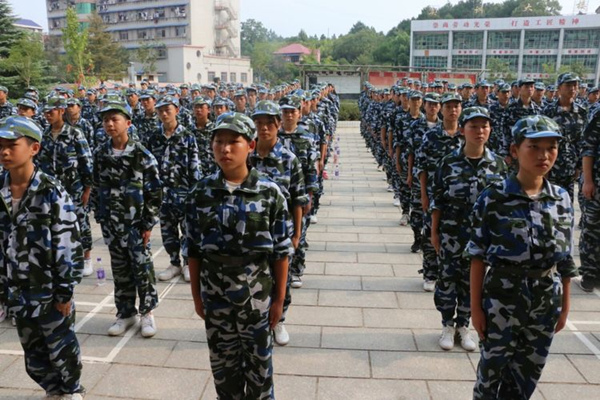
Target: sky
<point x="316" y="17"/>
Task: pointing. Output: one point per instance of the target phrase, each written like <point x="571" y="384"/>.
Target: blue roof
<point x="27" y="22"/>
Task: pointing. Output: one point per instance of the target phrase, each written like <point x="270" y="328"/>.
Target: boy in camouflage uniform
<point x="201" y="129"/>
<point x="238" y="249"/>
<point x="459" y="178"/>
<point x="126" y="201"/>
<point x="147" y="122"/>
<point x="6" y="108"/>
<point x="522" y="233"/>
<point x="41" y="260"/>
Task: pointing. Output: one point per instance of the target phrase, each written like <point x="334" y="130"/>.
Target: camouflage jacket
<point x="498" y="115"/>
<point x="512" y="229"/>
<point x="127" y="189"/>
<point x="253" y="219"/>
<point x="474" y="102"/>
<point x="90" y="112"/>
<point x="68" y="158"/>
<point x="178" y="162"/>
<point x="402" y="133"/>
<point x="515" y="112"/>
<point x="88" y="131"/>
<point x="41" y="257"/>
<point x="455" y="188"/>
<point x="591" y="143"/>
<point x="102" y="137"/>
<point x="145" y="126"/>
<point x="7" y="109"/>
<point x="185" y="118"/>
<point x="283" y="167"/>
<point x="572" y="124"/>
<point x="299" y="143"/>
<point x="205" y="153"/>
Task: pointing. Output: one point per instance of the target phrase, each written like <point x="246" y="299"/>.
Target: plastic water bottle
<point x="338" y="151"/>
<point x="336" y="171"/>
<point x="100" y="274"/>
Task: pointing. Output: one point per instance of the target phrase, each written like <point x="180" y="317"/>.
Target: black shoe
<point x="416" y="246"/>
<point x="586" y="285"/>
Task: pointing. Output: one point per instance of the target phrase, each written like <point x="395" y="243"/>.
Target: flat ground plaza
<point x="361" y="327"/>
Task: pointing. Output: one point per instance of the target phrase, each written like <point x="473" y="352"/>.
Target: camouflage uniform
<point x="179" y="168"/>
<point x="567" y="163"/>
<point x="515" y="112"/>
<point x="527" y="243"/>
<point x="41" y="260"/>
<point x="233" y="235"/>
<point x="457" y="183"/>
<point x="89" y="112"/>
<point x="69" y="159"/>
<point x="126" y="201"/>
<point x="7" y="109"/>
<point x="590" y="234"/>
<point x="402" y="134"/>
<point x="205" y="153"/>
<point x="88" y="131"/>
<point x="146" y="125"/>
<point x="498" y="114"/>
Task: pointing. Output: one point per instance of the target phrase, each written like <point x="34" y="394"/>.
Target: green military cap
<point x="467" y="85"/>
<point x="90" y="91"/>
<point x="526" y="81"/>
<point x="415" y="94"/>
<point x="236" y="122"/>
<point x="450" y="96"/>
<point x="534" y="127"/>
<point x="200" y="100"/>
<point x="31" y="96"/>
<point x="73" y="101"/>
<point x="220" y="101"/>
<point x="551" y="88"/>
<point x="167" y="100"/>
<point x="33" y="89"/>
<point x="197" y="87"/>
<point x="116" y="106"/>
<point x="540" y="86"/>
<point x="55" y="102"/>
<point x="432" y="97"/>
<point x="473" y="112"/>
<point x="505" y="88"/>
<point x="566" y="78"/>
<point x="131" y="92"/>
<point x="184" y="86"/>
<point x="483" y="83"/>
<point x="16" y="127"/>
<point x="146" y="94"/>
<point x="452" y="86"/>
<point x="25" y="102"/>
<point x="240" y="93"/>
<point x="3" y="89"/>
<point x="593" y="89"/>
<point x="290" y="102"/>
<point x="266" y="107"/>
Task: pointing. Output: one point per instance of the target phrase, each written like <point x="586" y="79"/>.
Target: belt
<point x="235" y="261"/>
<point x="522" y="272"/>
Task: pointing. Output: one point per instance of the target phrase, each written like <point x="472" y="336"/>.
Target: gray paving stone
<point x="352" y="229"/>
<point x="358" y="269"/>
<point x="415" y="301"/>
<point x="325" y="316"/>
<point x="318" y="362"/>
<point x="552" y="391"/>
<point x="6" y="360"/>
<point x="356" y="247"/>
<point x="303" y="336"/>
<point x="384" y="318"/>
<point x="332" y="282"/>
<point x="383" y="238"/>
<point x="412" y="365"/>
<point x="173" y="308"/>
<point x="384" y="258"/>
<point x="14" y="376"/>
<point x="380" y="389"/>
<point x="305" y="297"/>
<point x="343" y="298"/>
<point x="567" y="343"/>
<point x="394" y="284"/>
<point x="20" y="394"/>
<point x="9" y="340"/>
<point x="368" y="339"/>
<point x="146" y="352"/>
<point x="314" y="268"/>
<point x="587" y="365"/>
<point x="189" y="355"/>
<point x="329" y="256"/>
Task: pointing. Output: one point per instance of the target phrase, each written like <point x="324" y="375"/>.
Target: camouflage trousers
<point x="236" y="302"/>
<point x="52" y="353"/>
<point x="298" y="264"/>
<point x="416" y="210"/>
<point x="85" y="227"/>
<point x="589" y="240"/>
<point x="172" y="229"/>
<point x="521" y="314"/>
<point x="287" y="300"/>
<point x="317" y="195"/>
<point x="132" y="269"/>
<point x="430" y="259"/>
<point x="401" y="188"/>
<point x="452" y="295"/>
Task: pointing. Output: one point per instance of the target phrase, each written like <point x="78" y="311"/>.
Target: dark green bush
<point x="349" y="111"/>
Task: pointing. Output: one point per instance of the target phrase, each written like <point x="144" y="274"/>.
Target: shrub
<point x="349" y="111"/>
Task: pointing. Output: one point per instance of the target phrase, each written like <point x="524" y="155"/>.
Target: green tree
<point x="9" y="36"/>
<point x="354" y="45"/>
<point x="577" y="68"/>
<point x="75" y="42"/>
<point x="357" y="27"/>
<point x="532" y="8"/>
<point x="147" y="55"/>
<point x="109" y="59"/>
<point x="253" y="32"/>
<point x="499" y="68"/>
<point x="394" y="50"/>
<point x="27" y="60"/>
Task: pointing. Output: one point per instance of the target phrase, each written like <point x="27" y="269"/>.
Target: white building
<point x="525" y="43"/>
<point x="197" y="40"/>
<point x="28" y="25"/>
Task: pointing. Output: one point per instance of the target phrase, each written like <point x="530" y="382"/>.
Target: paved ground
<point x="361" y="326"/>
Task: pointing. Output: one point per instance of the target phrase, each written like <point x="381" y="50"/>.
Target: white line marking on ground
<point x="583" y="339"/>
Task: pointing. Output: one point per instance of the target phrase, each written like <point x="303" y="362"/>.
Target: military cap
<point x="31" y="96"/>
<point x="505" y="88"/>
<point x="236" y="122"/>
<point x="424" y="85"/>
<point x="250" y="89"/>
<point x="16" y="127"/>
<point x="197" y="87"/>
<point x="551" y="88"/>
<point x="131" y="92"/>
<point x="293" y="102"/>
<point x="499" y="82"/>
<point x="220" y="101"/>
<point x="483" y="83"/>
<point x="593" y="89"/>
<point x="201" y="100"/>
<point x="91" y="91"/>
<point x="167" y="100"/>
<point x="146" y="94"/>
<point x="473" y="112"/>
<point x="526" y="81"/>
<point x="81" y="87"/>
<point x="432" y="97"/>
<point x="73" y="101"/>
<point x="540" y="86"/>
<point x="403" y="90"/>
<point x="514" y="83"/>
<point x="415" y="94"/>
<point x="25" y="102"/>
<point x="55" y="102"/>
<point x="240" y="93"/>
<point x="417" y="82"/>
<point x="583" y="85"/>
<point x="467" y="85"/>
<point x="409" y="81"/>
<point x="184" y="86"/>
<point x="534" y="127"/>
<point x="444" y="81"/>
<point x="266" y="107"/>
<point x="116" y="106"/>
<point x="451" y="97"/>
<point x="566" y="78"/>
<point x="33" y="89"/>
<point x="451" y="86"/>
<point x="113" y="96"/>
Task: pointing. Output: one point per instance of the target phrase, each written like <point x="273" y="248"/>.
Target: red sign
<point x="388" y="79"/>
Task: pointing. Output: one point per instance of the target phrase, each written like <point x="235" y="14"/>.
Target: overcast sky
<point x="316" y="17"/>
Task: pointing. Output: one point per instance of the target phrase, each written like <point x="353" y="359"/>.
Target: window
<point x="534" y="64"/>
<point x="142" y="34"/>
<point x="161" y="53"/>
<point x="513" y="61"/>
<point x="223" y="76"/>
<point x="588" y="60"/>
<point x="504" y="40"/>
<point x="468" y="40"/>
<point x="582" y="39"/>
<point x="541" y="39"/>
<point x="244" y="77"/>
<point x="179" y="31"/>
<point x="295" y="59"/>
<point x="123" y="35"/>
<point x="466" y="62"/>
<point x="430" y="62"/>
<point x="233" y="77"/>
<point x="431" y="41"/>
<point x="161" y="33"/>
<point x="211" y="76"/>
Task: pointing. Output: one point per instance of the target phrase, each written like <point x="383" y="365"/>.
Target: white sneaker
<point x="428" y="286"/>
<point x="296" y="282"/>
<point x="282" y="337"/>
<point x="313" y="219"/>
<point x="53" y="397"/>
<point x="74" y="396"/>
<point x="171" y="272"/>
<point x="466" y="340"/>
<point x="396" y="203"/>
<point x="447" y="339"/>
<point x="88" y="269"/>
<point x="390" y="188"/>
<point x="13" y="321"/>
<point x="404" y="219"/>
<point x="148" y="325"/>
<point x="186" y="273"/>
<point x="121" y="325"/>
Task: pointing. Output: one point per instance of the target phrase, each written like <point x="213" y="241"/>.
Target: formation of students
<point x="486" y="179"/>
<point x="234" y="181"/>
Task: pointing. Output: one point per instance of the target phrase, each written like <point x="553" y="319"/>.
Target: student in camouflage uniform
<point x="498" y="112"/>
<point x="238" y="249"/>
<point x="523" y="233"/>
<point x="89" y="109"/>
<point x="202" y="127"/>
<point x="66" y="155"/>
<point x="571" y="117"/>
<point x="437" y="143"/>
<point x="73" y="118"/>
<point x="459" y="178"/>
<point x="176" y="152"/>
<point x="481" y="98"/>
<point x="126" y="202"/>
<point x="148" y="121"/>
<point x="590" y="233"/>
<point x="133" y="103"/>
<point x="41" y="261"/>
<point x="6" y="108"/>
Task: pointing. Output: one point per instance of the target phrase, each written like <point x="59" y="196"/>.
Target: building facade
<point x="195" y="39"/>
<point x="526" y="44"/>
